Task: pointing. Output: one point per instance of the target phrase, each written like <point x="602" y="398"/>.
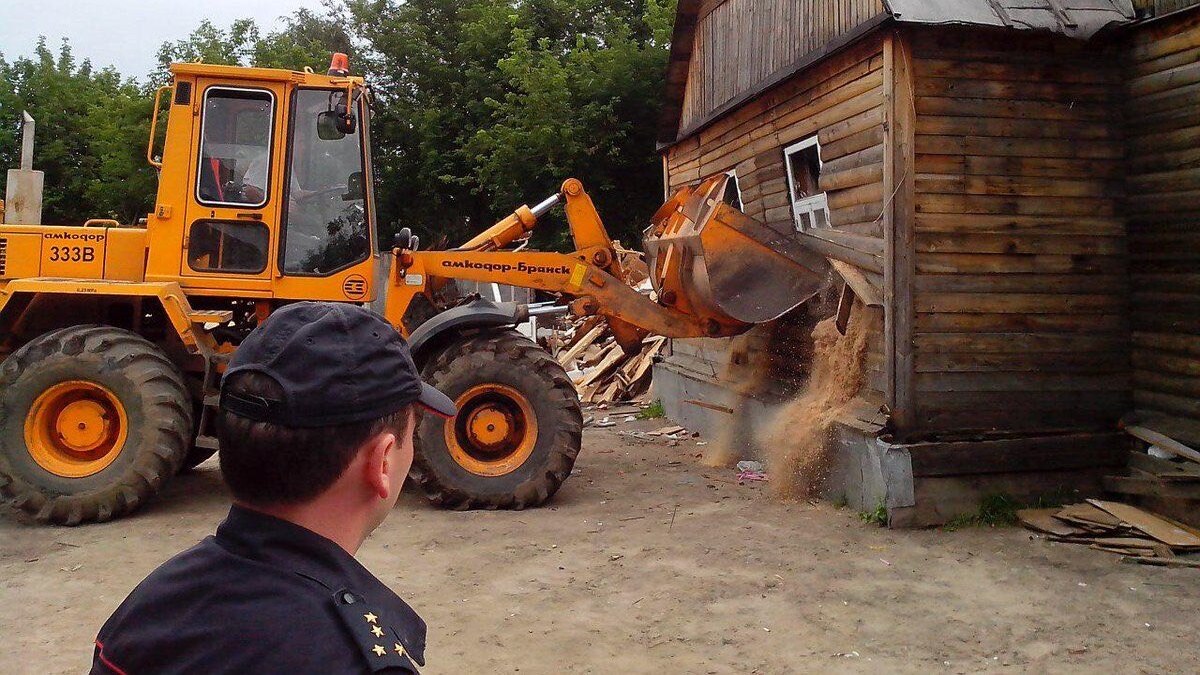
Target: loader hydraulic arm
<point x="592" y="274"/>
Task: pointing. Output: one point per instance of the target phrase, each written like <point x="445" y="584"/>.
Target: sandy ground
<point x="648" y="562"/>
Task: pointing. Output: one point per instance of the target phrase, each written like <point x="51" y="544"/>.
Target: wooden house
<point x="1014" y="187"/>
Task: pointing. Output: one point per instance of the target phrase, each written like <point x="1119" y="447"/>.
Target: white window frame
<point x="270" y="146"/>
<point x="737" y="184"/>
<point x="815" y="208"/>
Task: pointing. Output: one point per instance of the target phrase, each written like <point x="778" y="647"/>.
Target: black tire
<point x="506" y="358"/>
<point x="157" y="408"/>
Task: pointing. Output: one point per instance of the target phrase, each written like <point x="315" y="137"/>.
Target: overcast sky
<point x="124" y="33"/>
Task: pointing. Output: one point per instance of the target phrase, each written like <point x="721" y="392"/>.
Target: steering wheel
<point x="313" y="195"/>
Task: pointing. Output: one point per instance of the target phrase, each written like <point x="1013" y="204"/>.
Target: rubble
<point x="1113" y="527"/>
<point x="598" y="367"/>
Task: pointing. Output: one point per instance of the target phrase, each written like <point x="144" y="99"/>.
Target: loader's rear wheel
<point x="517" y="431"/>
<point x="92" y="421"/>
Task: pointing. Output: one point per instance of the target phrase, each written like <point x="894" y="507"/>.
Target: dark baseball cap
<point x="336" y="364"/>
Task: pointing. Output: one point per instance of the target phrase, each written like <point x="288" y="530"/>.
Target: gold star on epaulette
<point x="371" y="618"/>
<point x="379" y="650"/>
<point x="400" y="649"/>
<point x="376" y="631"/>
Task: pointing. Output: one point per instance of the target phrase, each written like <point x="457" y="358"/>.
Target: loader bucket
<point x="711" y="260"/>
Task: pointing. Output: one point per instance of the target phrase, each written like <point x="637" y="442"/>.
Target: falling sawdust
<point x="746" y="373"/>
<point x="795" y="441"/>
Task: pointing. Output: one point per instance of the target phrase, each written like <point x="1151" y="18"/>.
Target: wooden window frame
<point x="814" y="208"/>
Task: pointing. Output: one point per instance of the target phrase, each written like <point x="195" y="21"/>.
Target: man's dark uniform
<point x="262" y="596"/>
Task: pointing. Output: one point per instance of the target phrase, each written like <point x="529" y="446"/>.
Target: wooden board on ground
<point x="1171" y="535"/>
<point x="1088" y="514"/>
<point x="1043" y="520"/>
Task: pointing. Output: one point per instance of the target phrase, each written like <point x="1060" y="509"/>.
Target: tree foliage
<point x="480" y="106"/>
<point x="90" y="136"/>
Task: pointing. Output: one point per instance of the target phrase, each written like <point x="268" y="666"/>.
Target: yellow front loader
<point x="114" y="335"/>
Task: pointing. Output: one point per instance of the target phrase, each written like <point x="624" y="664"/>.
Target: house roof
<point x="1079" y="19"/>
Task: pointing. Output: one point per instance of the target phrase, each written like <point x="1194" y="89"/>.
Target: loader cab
<point x="265" y="186"/>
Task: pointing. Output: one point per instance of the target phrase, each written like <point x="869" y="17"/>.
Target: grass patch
<point x="652" y="412"/>
<point x="998" y="510"/>
<point x="877" y="516"/>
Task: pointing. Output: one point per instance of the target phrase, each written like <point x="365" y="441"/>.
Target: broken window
<point x="810" y="207"/>
<point x="733" y="193"/>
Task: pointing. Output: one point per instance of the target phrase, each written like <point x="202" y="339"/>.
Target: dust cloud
<point x="795" y="441"/>
<point x="747" y="373"/>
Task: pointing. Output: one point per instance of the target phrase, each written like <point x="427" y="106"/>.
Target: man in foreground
<point x="316" y="423"/>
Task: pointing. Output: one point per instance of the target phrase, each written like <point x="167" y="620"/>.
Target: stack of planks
<point x="601" y="371"/>
<point x="1114" y="527"/>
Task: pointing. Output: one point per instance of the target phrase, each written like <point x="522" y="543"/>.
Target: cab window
<point x="326" y="228"/>
<point x="235" y="147"/>
<point x="228" y="246"/>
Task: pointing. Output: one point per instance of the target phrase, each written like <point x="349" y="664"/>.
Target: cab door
<point x="327" y="245"/>
<point x="232" y="215"/>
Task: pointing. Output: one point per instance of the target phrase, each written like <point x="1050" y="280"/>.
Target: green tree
<point x="487" y="105"/>
<point x="303" y="39"/>
<point x="210" y="44"/>
<point x="91" y="135"/>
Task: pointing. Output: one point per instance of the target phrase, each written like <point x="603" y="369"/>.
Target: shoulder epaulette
<point x="381" y="645"/>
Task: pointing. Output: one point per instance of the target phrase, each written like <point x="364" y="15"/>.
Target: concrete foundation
<point x="717" y="412"/>
<point x="920" y="484"/>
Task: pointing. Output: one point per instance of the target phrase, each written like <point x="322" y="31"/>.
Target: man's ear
<point x="377" y="468"/>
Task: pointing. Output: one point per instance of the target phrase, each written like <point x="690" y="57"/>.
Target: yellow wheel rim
<point x="75" y="429"/>
<point x="494" y="432"/>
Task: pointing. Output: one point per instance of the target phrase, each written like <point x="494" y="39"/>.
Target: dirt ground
<point x="647" y="561"/>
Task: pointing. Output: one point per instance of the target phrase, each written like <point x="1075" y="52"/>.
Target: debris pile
<point x="1167" y="470"/>
<point x="601" y="370"/>
<point x="1116" y="528"/>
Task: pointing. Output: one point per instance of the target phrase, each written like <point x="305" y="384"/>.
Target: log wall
<point x="840" y="100"/>
<point x="740" y="44"/>
<point x="1161" y="70"/>
<point x="1019" y="305"/>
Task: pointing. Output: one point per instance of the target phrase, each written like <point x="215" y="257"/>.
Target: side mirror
<point x="346" y="121"/>
<point x="329" y="127"/>
<point x="354" y="187"/>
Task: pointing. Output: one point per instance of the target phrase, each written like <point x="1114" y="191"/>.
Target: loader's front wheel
<point x="517" y="431"/>
<point x="93" y="419"/>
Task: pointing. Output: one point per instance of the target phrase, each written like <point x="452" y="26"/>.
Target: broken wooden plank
<point x="710" y="406"/>
<point x="1133" y="552"/>
<point x="1162" y="562"/>
<point x="1167" y="470"/>
<point x="614" y="355"/>
<point x="1165" y="442"/>
<point x="583" y="343"/>
<point x="1126" y="542"/>
<point x="1088" y="514"/>
<point x="1043" y="520"/>
<point x="670" y="429"/>
<point x="1149" y="523"/>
